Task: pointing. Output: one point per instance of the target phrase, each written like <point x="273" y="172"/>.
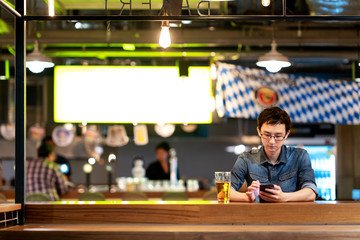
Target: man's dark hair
<point x="163" y="145"/>
<point x="46" y="139"/>
<point x="273" y="116"/>
<point x="45" y="150"/>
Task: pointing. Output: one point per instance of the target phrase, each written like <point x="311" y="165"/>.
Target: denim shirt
<point x="291" y="172"/>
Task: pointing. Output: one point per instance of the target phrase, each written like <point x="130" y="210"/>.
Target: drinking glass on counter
<point x="223" y="183"/>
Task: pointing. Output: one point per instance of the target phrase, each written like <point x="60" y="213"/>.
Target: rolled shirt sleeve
<point x="238" y="173"/>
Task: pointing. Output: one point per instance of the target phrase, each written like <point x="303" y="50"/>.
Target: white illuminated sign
<point x="123" y="94"/>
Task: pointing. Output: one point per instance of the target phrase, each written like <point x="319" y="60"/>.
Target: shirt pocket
<point x="288" y="175"/>
<point x="256" y="176"/>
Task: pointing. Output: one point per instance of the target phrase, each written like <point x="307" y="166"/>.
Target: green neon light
<point x="58" y="8"/>
<point x="6" y="75"/>
<point x="106" y="54"/>
<point x="129" y="47"/>
<point x="10" y="4"/>
<point x="4" y="28"/>
<point x="119" y="45"/>
<point x="11" y="50"/>
<point x="7" y="69"/>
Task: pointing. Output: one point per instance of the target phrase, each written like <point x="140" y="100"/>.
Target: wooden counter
<point x="8" y="214"/>
<point x="9" y="207"/>
<point x="181" y="232"/>
<point x="10" y="194"/>
<point x="191" y="212"/>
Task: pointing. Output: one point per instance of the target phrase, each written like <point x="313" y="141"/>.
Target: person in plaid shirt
<point x="43" y="175"/>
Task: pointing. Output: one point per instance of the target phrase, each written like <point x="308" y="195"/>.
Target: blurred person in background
<point x="61" y="160"/>
<point x="43" y="174"/>
<point x="160" y="169"/>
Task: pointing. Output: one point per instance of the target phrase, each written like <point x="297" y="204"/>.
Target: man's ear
<point x="287" y="134"/>
<point x="258" y="130"/>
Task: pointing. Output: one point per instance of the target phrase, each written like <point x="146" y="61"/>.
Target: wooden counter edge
<point x="8" y="207"/>
<point x="189" y="232"/>
<point x="238" y="213"/>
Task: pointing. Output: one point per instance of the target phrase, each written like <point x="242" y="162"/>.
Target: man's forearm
<point x="303" y="195"/>
<point x="238" y="196"/>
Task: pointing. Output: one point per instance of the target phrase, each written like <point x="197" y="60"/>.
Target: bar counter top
<point x="8" y="207"/>
<point x="192" y="212"/>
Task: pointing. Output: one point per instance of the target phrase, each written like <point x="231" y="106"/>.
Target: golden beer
<point x="223" y="191"/>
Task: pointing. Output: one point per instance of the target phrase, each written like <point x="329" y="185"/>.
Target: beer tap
<point x="173" y="168"/>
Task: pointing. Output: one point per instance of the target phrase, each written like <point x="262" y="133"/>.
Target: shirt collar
<point x="282" y="157"/>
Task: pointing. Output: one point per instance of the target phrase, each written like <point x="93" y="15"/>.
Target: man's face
<point x="268" y="133"/>
<point x="162" y="155"/>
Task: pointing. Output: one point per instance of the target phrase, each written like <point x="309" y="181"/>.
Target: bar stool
<point x="37" y="197"/>
<point x="134" y="196"/>
<point x="92" y="196"/>
<point x="174" y="196"/>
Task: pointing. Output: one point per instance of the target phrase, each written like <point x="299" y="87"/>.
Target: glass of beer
<point x="223" y="183"/>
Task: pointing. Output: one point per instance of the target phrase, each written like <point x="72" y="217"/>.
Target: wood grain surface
<point x="10" y="194"/>
<point x="9" y="207"/>
<point x="210" y="213"/>
<point x="183" y="232"/>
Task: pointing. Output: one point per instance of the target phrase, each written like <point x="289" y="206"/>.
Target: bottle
<point x="173" y="168"/>
<point x="138" y="170"/>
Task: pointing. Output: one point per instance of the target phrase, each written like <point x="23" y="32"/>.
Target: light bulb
<point x="273" y="68"/>
<point x="38" y="66"/>
<point x="64" y="168"/>
<point x="111" y="157"/>
<point x="87" y="168"/>
<point x="265" y="3"/>
<point x="92" y="161"/>
<point x="165" y="39"/>
<point x="51" y="5"/>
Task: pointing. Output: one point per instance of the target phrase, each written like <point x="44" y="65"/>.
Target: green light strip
<point x="119" y="45"/>
<point x="106" y="54"/>
<point x="7" y="69"/>
<point x="58" y="8"/>
<point x="10" y="4"/>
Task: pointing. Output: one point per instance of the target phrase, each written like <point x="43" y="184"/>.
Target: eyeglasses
<point x="268" y="137"/>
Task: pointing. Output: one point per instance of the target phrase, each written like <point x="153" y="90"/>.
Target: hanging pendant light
<point x="37" y="62"/>
<point x="273" y="61"/>
<point x="165" y="39"/>
<point x="265" y="3"/>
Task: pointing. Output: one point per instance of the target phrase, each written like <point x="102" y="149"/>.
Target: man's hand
<point x="253" y="190"/>
<point x="273" y="195"/>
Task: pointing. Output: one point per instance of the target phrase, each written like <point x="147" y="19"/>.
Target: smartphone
<point x="266" y="186"/>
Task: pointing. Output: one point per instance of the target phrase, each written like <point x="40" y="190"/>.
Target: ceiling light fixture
<point x="273" y="61"/>
<point x="165" y="39"/>
<point x="265" y="3"/>
<point x="37" y="62"/>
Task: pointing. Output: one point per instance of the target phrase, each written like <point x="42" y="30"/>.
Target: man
<point x="43" y="174"/>
<point x="62" y="161"/>
<point x="160" y="169"/>
<point x="288" y="168"/>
